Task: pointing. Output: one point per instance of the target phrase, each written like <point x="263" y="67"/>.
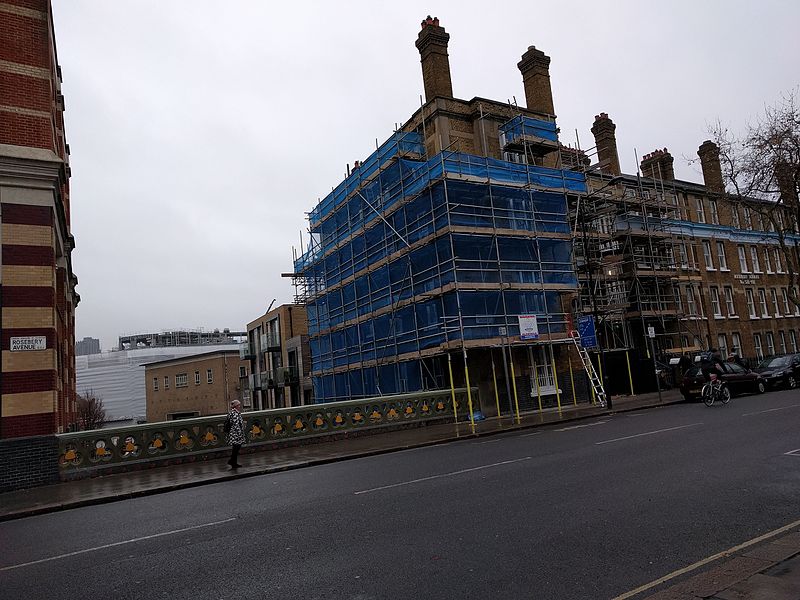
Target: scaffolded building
<point x="636" y="262"/>
<point x="425" y="261"/>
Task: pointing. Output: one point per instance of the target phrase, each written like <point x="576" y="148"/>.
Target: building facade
<point x="38" y="283"/>
<point x="685" y="260"/>
<point x="194" y="386"/>
<point x="87" y="345"/>
<point x="473" y="218"/>
<point x="278" y="350"/>
<point x="428" y="258"/>
<point x="117" y="377"/>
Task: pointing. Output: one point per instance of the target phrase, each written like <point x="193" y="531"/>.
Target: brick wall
<point x="39" y="299"/>
<point x="28" y="462"/>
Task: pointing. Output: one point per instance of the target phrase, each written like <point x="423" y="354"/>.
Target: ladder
<point x="597" y="385"/>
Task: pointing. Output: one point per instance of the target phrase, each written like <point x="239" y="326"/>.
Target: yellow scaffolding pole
<point x="494" y="381"/>
<point x="555" y="377"/>
<point x="572" y="380"/>
<point x="536" y="379"/>
<point x="514" y="384"/>
<point x="452" y="387"/>
<point x="630" y="376"/>
<point x="469" y="392"/>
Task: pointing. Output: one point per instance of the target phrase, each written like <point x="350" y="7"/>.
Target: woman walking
<point x="235" y="430"/>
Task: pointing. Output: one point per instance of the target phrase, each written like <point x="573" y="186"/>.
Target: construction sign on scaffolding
<point x="528" y="327"/>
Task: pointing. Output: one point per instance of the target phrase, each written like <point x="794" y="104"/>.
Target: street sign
<point x="27" y="343"/>
<point x="651" y="332"/>
<point x="528" y="327"/>
<point x="587" y="332"/>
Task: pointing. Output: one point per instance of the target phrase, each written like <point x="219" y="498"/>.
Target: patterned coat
<point x="236" y="434"/>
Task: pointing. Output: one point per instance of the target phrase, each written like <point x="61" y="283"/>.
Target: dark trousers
<point x="234" y="461"/>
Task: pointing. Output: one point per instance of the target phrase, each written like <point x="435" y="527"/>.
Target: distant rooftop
<point x="180" y="337"/>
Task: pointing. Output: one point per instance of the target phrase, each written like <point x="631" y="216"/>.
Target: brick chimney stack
<point x="432" y="45"/>
<point x="535" y="69"/>
<point x="712" y="170"/>
<point x="658" y="165"/>
<point x="606" y="142"/>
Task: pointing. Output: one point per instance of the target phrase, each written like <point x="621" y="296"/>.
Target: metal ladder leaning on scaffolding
<point x="597" y="385"/>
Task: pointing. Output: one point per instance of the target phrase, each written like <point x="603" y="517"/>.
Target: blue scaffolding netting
<point x="521" y="127"/>
<point x="392" y="240"/>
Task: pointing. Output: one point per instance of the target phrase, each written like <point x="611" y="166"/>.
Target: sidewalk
<point x="763" y="569"/>
<point x="85" y="492"/>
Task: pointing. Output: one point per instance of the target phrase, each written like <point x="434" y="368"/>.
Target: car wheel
<point x="792" y="382"/>
<point x="761" y="387"/>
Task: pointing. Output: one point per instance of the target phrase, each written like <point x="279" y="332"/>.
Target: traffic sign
<point x="587" y="332"/>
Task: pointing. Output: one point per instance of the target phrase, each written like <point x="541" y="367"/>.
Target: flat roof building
<point x="280" y="357"/>
<point x="87" y="345"/>
<point x="194" y="386"/>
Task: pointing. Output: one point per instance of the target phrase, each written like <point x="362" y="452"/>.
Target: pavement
<point x="764" y="568"/>
<point x="769" y="570"/>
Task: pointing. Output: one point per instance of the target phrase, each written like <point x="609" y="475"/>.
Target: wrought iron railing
<point x="101" y="448"/>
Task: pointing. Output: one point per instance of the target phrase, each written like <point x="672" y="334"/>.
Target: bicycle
<point x="715" y="390"/>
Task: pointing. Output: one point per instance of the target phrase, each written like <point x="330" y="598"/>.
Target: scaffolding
<point x="412" y="258"/>
<point x="633" y="264"/>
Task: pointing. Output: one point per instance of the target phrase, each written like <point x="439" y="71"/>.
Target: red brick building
<point x="38" y="285"/>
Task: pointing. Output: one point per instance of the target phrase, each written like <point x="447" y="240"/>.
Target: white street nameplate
<point x="32" y="342"/>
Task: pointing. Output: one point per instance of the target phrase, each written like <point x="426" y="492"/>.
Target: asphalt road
<point x="584" y="510"/>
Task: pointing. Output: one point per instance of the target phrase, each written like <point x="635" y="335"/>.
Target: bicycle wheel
<point x="708" y="394"/>
<point x="725" y="394"/>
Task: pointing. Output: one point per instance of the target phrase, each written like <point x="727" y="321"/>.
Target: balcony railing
<point x="270" y="342"/>
<point x="245" y="351"/>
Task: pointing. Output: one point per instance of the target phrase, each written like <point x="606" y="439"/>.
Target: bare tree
<point x="91" y="413"/>
<point x="761" y="171"/>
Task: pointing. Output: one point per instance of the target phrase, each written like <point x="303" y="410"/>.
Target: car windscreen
<point x="774" y="363"/>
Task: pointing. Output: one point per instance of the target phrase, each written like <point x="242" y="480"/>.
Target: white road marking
<point x="705" y="561"/>
<point x="635" y="415"/>
<point x="103" y="547"/>
<point x="761" y="412"/>
<point x="793" y="453"/>
<point x="581" y="426"/>
<point x="500" y="439"/>
<point x="628" y="437"/>
<point x="394" y="485"/>
<point x="530" y="434"/>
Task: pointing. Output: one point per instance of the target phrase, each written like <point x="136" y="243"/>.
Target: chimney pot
<point x="535" y="69"/>
<point x="658" y="165"/>
<point x="432" y="45"/>
<point x="712" y="169"/>
<point x="606" y="143"/>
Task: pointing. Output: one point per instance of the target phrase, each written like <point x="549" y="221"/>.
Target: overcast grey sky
<point x="201" y="132"/>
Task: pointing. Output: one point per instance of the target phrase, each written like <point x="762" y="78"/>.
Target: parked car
<point x="781" y="371"/>
<point x="738" y="379"/>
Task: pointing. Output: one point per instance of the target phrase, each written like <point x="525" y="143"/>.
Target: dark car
<point x="738" y="379"/>
<point x="782" y="371"/>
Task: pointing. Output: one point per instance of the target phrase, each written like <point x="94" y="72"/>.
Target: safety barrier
<point x="102" y="450"/>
